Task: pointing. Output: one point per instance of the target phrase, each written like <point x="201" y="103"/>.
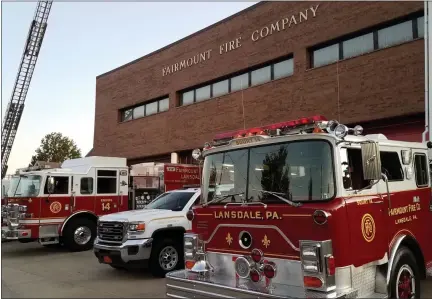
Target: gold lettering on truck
<point x="255" y="215"/>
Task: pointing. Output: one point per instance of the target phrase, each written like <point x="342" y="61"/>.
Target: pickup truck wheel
<point x="165" y="257"/>
<point x="405" y="276"/>
<point x="79" y="234"/>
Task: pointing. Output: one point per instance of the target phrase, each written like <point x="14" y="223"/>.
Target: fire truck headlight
<point x="137" y="226"/>
<point x="341" y="131"/>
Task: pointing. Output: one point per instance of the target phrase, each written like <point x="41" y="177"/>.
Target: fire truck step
<point x="48" y="241"/>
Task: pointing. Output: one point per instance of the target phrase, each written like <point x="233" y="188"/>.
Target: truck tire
<point x="405" y="275"/>
<point x="79" y="234"/>
<point x="166" y="256"/>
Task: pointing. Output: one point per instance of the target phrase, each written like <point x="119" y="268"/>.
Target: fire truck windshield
<point x="24" y="186"/>
<point x="298" y="171"/>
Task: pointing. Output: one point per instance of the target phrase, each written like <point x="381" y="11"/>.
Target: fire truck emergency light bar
<point x="281" y="126"/>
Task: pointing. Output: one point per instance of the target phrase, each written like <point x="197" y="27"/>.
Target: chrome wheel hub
<point x="82" y="235"/>
<point x="405" y="283"/>
<point x="168" y="258"/>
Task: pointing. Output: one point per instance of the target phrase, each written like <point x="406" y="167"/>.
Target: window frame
<point x="426" y="170"/>
<point x="397" y="153"/>
<point x="372" y="29"/>
<point x="144" y="105"/>
<point x="58" y="194"/>
<point x="105" y="176"/>
<point x="229" y="77"/>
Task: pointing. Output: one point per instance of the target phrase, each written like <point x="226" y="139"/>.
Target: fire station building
<point x="357" y="62"/>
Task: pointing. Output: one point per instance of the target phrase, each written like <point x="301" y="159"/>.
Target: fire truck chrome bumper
<point x="8" y="234"/>
<point x="129" y="251"/>
<point x="184" y="284"/>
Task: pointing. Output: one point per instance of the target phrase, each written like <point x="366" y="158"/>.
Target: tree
<point x="56" y="148"/>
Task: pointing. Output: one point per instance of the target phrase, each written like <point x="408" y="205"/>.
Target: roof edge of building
<point x="184" y="38"/>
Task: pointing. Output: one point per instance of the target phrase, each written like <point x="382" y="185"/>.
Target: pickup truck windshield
<point x="24" y="186"/>
<point x="174" y="201"/>
<point x="298" y="171"/>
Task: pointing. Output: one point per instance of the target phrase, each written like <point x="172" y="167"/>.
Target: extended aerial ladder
<point x="28" y="62"/>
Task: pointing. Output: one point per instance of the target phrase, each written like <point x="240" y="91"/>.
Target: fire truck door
<point x="56" y="207"/>
<point x="365" y="210"/>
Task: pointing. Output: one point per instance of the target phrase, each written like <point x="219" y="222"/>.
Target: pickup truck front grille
<point x="112" y="232"/>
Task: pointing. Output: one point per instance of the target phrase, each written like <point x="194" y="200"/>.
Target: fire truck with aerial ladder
<point x="61" y="205"/>
<point x="310" y="208"/>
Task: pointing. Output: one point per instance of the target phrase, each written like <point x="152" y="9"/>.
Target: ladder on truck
<point x="15" y="107"/>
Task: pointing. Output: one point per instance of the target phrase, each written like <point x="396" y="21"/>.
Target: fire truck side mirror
<point x="371" y="161"/>
<point x="50" y="185"/>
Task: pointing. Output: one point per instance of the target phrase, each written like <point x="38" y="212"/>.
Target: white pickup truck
<point x="151" y="237"/>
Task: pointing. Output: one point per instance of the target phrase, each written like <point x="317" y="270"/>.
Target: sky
<point x="82" y="41"/>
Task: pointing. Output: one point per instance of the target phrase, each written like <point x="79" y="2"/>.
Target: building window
<point x="220" y="88"/>
<point x="283" y="69"/>
<point x="202" y="93"/>
<point x="358" y="45"/>
<point x="127" y="114"/>
<point x="261" y="75"/>
<point x="252" y="77"/>
<point x="106" y="182"/>
<point x="240" y="82"/>
<point x="396" y="34"/>
<point x="326" y="55"/>
<point x="151" y="108"/>
<point x="146" y="109"/>
<point x="420" y="167"/>
<point x="138" y="112"/>
<point x="378" y="38"/>
<point x="420" y="27"/>
<point x="188" y="97"/>
<point x="163" y="105"/>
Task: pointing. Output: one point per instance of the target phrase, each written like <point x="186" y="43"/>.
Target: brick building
<point x="359" y="62"/>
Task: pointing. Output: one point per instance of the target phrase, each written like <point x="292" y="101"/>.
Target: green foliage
<point x="56" y="148"/>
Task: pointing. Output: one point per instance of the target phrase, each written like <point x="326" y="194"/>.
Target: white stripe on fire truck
<point x="49" y="220"/>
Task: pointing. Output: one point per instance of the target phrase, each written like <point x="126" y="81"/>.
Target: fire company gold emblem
<point x="368" y="227"/>
<point x="229" y="239"/>
<point x="55" y="207"/>
<point x="266" y="241"/>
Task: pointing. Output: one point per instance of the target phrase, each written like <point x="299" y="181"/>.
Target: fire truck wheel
<point x="166" y="256"/>
<point x="79" y="234"/>
<point x="404" y="279"/>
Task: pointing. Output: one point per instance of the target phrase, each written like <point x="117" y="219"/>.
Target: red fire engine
<point x="62" y="205"/>
<point x="308" y="208"/>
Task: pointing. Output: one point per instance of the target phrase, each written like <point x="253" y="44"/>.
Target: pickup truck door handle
<point x="379" y="201"/>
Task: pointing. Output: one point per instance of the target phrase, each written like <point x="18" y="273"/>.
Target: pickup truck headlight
<point x="136" y="226"/>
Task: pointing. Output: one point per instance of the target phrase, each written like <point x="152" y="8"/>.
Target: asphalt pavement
<point x="33" y="271"/>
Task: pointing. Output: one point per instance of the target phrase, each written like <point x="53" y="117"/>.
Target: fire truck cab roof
<point x="79" y="166"/>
